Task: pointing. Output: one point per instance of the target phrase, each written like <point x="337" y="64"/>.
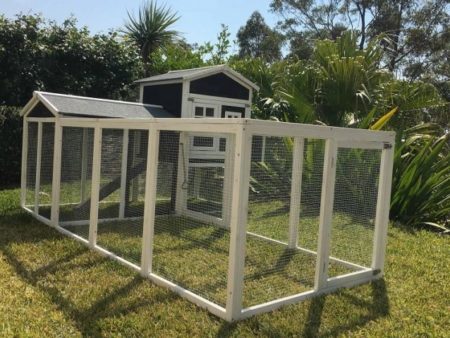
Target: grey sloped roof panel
<point x="69" y="105"/>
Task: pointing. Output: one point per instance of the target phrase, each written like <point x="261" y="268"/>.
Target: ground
<point x="51" y="285"/>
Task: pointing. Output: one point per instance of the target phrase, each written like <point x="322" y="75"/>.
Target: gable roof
<point x="195" y="73"/>
<point x="72" y="105"/>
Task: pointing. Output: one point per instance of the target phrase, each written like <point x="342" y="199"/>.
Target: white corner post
<point x="182" y="174"/>
<point x="238" y="223"/>
<point x="56" y="179"/>
<point x="123" y="173"/>
<point x="150" y="201"/>
<point x="95" y="186"/>
<point x="383" y="206"/>
<point x="296" y="191"/>
<point x="23" y="175"/>
<point x="37" y="185"/>
<point x="227" y="181"/>
<point x="84" y="165"/>
<point x="326" y="214"/>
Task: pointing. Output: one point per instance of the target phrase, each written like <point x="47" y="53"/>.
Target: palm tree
<point x="149" y="30"/>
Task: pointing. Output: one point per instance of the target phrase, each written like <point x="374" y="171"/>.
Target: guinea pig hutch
<point x="238" y="215"/>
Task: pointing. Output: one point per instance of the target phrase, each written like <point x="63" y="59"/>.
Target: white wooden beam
<point x="238" y="223"/>
<point x="326" y="214"/>
<point x="56" y="179"/>
<point x="84" y="164"/>
<point x="123" y="173"/>
<point x="37" y="185"/>
<point x="150" y="201"/>
<point x="95" y="186"/>
<point x="182" y="174"/>
<point x="383" y="206"/>
<point x="23" y="176"/>
<point x="296" y="191"/>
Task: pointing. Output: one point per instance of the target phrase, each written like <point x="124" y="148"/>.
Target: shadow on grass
<point x="377" y="307"/>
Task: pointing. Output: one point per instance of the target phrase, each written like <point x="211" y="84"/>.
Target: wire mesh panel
<point x="190" y="249"/>
<point x="122" y="174"/>
<point x="356" y="187"/>
<point x="76" y="173"/>
<point x="272" y="269"/>
<point x="45" y="186"/>
<point x="31" y="164"/>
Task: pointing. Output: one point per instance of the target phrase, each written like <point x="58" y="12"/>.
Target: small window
<point x="210" y="112"/>
<point x="202" y="141"/>
<point x="198" y="111"/>
<point x="223" y="144"/>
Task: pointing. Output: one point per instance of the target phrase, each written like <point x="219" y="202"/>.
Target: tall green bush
<point x="10" y="145"/>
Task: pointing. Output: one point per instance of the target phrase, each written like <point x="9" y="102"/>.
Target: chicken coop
<point x="239" y="216"/>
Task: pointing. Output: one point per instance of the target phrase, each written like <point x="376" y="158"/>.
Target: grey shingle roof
<point x="93" y="107"/>
<point x="187" y="74"/>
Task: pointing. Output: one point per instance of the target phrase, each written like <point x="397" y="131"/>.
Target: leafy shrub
<point x="10" y="145"/>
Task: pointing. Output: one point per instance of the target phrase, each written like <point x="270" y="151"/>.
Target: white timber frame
<point x="238" y="162"/>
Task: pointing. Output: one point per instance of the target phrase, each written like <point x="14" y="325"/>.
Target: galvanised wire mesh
<point x="121" y="213"/>
<point x="355" y="201"/>
<point x="191" y="242"/>
<point x="31" y="164"/>
<point x="45" y="186"/>
<point x="76" y="174"/>
<point x="272" y="269"/>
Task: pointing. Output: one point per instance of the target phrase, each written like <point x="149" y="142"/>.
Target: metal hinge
<point x="376" y="272"/>
<point x="387" y="145"/>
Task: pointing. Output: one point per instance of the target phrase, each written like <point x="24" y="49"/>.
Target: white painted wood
<point x="23" y="175"/>
<point x="182" y="173"/>
<point x="123" y="173"/>
<point x="185" y="104"/>
<point x="219" y="100"/>
<point x="228" y="180"/>
<point x="41" y="119"/>
<point x="95" y="186"/>
<point x="150" y="201"/>
<point x="84" y="165"/>
<point x="360" y="144"/>
<point x="56" y="178"/>
<point x="382" y="211"/>
<point x="326" y="214"/>
<point x="37" y="185"/>
<point x="238" y="223"/>
<point x="47" y="103"/>
<point x="296" y="191"/>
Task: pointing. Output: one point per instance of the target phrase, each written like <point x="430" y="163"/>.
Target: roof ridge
<point x="101" y="100"/>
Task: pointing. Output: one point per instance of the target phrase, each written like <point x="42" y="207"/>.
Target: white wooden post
<point x="56" y="179"/>
<point x="238" y="223"/>
<point x="37" y="185"/>
<point x="296" y="190"/>
<point x="123" y="173"/>
<point x="383" y="206"/>
<point x="182" y="174"/>
<point x="150" y="201"/>
<point x="95" y="186"/>
<point x="326" y="214"/>
<point x="227" y="181"/>
<point x="84" y="164"/>
<point x="23" y="176"/>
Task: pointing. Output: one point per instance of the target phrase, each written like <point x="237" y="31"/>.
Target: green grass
<point x="51" y="285"/>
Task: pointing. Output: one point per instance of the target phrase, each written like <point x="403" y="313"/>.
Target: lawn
<point x="51" y="285"/>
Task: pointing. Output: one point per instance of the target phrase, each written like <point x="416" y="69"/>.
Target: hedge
<point x="10" y="145"/>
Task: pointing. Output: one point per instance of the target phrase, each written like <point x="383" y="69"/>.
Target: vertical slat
<point x="95" y="186"/>
<point x="238" y="223"/>
<point x="227" y="181"/>
<point x="123" y="177"/>
<point x="84" y="164"/>
<point x="326" y="214"/>
<point x="296" y="188"/>
<point x="182" y="173"/>
<point x="383" y="206"/>
<point x="150" y="201"/>
<point x="56" y="179"/>
<point x="37" y="185"/>
<point x="23" y="176"/>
